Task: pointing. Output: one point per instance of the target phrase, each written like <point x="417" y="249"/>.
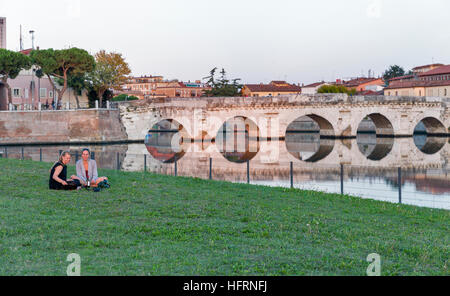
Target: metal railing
<point x="399" y="185"/>
<point x="65" y="107"/>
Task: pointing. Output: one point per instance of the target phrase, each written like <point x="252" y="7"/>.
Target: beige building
<point x="432" y="83"/>
<point x="275" y="88"/>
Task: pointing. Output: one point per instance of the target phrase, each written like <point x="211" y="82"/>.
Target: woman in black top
<point x="58" y="175"/>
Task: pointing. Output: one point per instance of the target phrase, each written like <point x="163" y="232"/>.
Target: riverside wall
<point x="66" y="126"/>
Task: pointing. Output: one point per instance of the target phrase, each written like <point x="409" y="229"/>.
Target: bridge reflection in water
<point x="370" y="163"/>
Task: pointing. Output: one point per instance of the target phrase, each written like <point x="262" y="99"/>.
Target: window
<point x="50" y="94"/>
<point x="43" y="93"/>
<point x="16" y="92"/>
<point x="420" y="93"/>
<point x="445" y="92"/>
<point x="26" y="93"/>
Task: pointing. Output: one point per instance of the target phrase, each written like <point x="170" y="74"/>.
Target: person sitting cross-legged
<point x="87" y="171"/>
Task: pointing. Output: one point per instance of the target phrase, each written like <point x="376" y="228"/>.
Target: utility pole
<point x="21" y="40"/>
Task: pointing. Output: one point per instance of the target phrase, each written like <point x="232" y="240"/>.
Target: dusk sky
<point x="256" y="40"/>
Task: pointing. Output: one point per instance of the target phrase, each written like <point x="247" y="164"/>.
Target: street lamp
<point x="32" y="39"/>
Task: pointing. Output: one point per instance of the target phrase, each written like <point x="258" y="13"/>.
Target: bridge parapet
<point x="342" y="113"/>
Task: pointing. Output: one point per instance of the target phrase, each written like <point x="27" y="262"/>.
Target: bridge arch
<point x="238" y="139"/>
<point x="310" y="138"/>
<point x="375" y="136"/>
<point x="432" y="125"/>
<point x="428" y="135"/>
<point x="167" y="141"/>
<point x="382" y="126"/>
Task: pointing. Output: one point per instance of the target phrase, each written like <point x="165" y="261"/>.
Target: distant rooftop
<point x="428" y="66"/>
<point x="438" y="71"/>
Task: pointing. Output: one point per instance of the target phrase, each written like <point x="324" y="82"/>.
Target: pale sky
<point x="256" y="40"/>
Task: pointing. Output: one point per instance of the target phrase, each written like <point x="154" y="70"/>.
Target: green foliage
<point x="124" y="97"/>
<point x="110" y="73"/>
<point x="77" y="82"/>
<point x="62" y="64"/>
<point x="11" y="63"/>
<point x="392" y="72"/>
<point x="57" y="63"/>
<point x="93" y="96"/>
<point x="222" y="87"/>
<point x="335" y="89"/>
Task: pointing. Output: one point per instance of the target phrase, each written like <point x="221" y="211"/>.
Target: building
<point x="156" y="87"/>
<point x="422" y="69"/>
<point x="2" y="32"/>
<point x="432" y="83"/>
<point x="144" y="85"/>
<point x="362" y="84"/>
<point x="274" y="88"/>
<point x="182" y="89"/>
<point x="312" y="89"/>
<point x="28" y="90"/>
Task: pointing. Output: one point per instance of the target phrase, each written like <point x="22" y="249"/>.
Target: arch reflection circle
<point x="310" y="138"/>
<point x="167" y="141"/>
<point x="238" y="139"/>
<point x="375" y="137"/>
<point x="430" y="135"/>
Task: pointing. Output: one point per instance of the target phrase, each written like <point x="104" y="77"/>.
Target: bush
<point x="333" y="89"/>
<point x="124" y="97"/>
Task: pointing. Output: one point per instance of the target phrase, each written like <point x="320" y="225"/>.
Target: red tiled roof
<point x="427" y="66"/>
<point x="401" y="77"/>
<point x="437" y="71"/>
<point x="316" y="84"/>
<point x="418" y="83"/>
<point x="358" y="81"/>
<point x="272" y="88"/>
<point x="26" y="51"/>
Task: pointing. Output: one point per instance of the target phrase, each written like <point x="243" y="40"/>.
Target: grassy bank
<point x="158" y="225"/>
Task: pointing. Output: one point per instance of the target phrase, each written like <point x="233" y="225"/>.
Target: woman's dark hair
<point x="86" y="149"/>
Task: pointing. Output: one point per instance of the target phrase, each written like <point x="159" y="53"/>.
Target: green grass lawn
<point x="159" y="225"/>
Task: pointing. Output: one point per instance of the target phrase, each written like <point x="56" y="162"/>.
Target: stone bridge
<point x="337" y="115"/>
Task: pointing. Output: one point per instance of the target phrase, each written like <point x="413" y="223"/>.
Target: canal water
<point x="367" y="167"/>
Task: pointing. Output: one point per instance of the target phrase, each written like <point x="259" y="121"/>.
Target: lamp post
<point x="32" y="39"/>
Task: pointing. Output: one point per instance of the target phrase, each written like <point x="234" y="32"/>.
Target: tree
<point x="11" y="63"/>
<point x="62" y="64"/>
<point x="392" y="72"/>
<point x="93" y="97"/>
<point x="77" y="83"/>
<point x="111" y="72"/>
<point x="336" y="89"/>
<point x="222" y="86"/>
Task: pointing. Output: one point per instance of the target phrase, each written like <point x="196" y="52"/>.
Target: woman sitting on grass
<point x="87" y="171"/>
<point x="58" y="175"/>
